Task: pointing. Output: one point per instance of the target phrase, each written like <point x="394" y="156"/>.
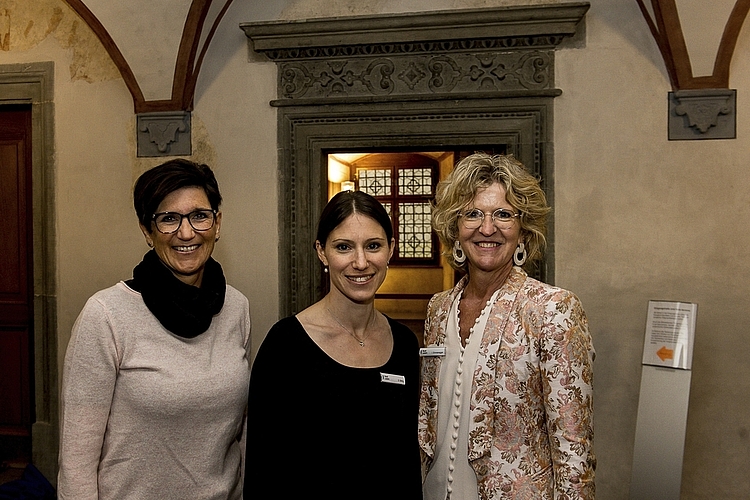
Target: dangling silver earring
<point x="458" y="253"/>
<point x="325" y="269"/>
<point x="519" y="257"/>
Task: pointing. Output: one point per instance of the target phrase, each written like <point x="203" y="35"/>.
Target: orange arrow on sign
<point x="665" y="354"/>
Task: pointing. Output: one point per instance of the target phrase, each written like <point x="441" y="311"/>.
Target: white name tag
<point x="389" y="378"/>
<point x="427" y="352"/>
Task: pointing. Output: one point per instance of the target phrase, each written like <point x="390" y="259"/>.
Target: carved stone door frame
<point x="439" y="80"/>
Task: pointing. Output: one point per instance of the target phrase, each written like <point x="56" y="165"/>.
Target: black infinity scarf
<point x="182" y="309"/>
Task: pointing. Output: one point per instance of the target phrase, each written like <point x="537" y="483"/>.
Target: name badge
<point x="389" y="378"/>
<point x="427" y="352"/>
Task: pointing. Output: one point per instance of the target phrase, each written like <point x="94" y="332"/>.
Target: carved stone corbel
<point x="702" y="114"/>
<point x="163" y="133"/>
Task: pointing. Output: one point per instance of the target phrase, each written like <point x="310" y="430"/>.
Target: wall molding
<point x="437" y="54"/>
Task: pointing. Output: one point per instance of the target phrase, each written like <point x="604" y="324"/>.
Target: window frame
<point x="397" y="200"/>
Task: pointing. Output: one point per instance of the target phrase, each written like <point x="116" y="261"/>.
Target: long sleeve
<point x="248" y="347"/>
<point x="89" y="376"/>
<point x="567" y="356"/>
<point x="331" y="430"/>
<point x="265" y="445"/>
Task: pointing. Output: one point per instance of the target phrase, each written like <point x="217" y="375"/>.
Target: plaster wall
<point x="98" y="239"/>
<point x="92" y="108"/>
<point x="637" y="217"/>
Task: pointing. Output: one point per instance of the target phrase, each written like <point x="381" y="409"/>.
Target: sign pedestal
<point x="663" y="404"/>
<point x="660" y="434"/>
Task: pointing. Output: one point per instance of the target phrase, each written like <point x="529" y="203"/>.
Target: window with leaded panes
<point x="405" y="184"/>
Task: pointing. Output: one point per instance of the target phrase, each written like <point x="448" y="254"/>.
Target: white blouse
<point x="451" y="476"/>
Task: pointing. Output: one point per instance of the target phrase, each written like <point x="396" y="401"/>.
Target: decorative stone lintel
<point x="434" y="75"/>
<point x="702" y="114"/>
<point x="433" y="31"/>
<point x="459" y="53"/>
<point x="163" y="134"/>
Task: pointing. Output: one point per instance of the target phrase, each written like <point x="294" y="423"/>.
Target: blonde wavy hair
<point x="480" y="170"/>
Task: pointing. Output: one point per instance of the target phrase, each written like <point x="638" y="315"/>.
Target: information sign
<point x="670" y="332"/>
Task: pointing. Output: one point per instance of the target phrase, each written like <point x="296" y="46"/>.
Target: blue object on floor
<point x="32" y="486"/>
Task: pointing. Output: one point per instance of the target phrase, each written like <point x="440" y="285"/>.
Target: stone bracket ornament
<point x="702" y="114"/>
<point x="163" y="134"/>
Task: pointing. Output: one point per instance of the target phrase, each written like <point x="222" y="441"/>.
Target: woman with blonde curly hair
<point x="506" y="401"/>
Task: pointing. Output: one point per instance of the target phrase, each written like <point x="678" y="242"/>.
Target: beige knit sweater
<point x="150" y="415"/>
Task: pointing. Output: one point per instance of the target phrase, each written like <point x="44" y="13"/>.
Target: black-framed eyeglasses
<point x="502" y="218"/>
<point x="170" y="222"/>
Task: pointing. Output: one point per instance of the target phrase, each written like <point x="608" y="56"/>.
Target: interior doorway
<point x="16" y="288"/>
<point x="310" y="133"/>
<point x="30" y="86"/>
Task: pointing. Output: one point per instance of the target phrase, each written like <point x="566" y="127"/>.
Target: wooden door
<point x="16" y="414"/>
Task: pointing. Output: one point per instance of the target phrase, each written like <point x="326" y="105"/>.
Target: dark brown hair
<point x="344" y="204"/>
<point x="155" y="184"/>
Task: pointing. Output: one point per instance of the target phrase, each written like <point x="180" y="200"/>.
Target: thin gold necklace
<point x="362" y="341"/>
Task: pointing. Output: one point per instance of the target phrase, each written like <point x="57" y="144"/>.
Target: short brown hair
<point x="155" y="184"/>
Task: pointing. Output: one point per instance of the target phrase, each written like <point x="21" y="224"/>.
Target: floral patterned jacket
<point x="531" y="397"/>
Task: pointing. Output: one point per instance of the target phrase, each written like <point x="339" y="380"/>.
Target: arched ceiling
<point x="157" y="46"/>
<point x="696" y="51"/>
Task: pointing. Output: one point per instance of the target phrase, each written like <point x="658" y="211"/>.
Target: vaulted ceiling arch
<point x="198" y="20"/>
<point x="670" y="32"/>
<point x="701" y="106"/>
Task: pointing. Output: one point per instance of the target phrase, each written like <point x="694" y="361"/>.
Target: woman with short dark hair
<point x="154" y="391"/>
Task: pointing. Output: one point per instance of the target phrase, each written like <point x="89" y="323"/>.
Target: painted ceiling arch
<point x="176" y="35"/>
<point x="669" y="23"/>
<point x="158" y="47"/>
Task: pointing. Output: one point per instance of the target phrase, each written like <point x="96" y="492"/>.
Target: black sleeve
<point x="267" y="427"/>
<point x="412" y="486"/>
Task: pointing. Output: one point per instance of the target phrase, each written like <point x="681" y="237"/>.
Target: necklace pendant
<point x="360" y="342"/>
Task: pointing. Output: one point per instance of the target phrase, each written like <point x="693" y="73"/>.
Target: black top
<point x="319" y="429"/>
